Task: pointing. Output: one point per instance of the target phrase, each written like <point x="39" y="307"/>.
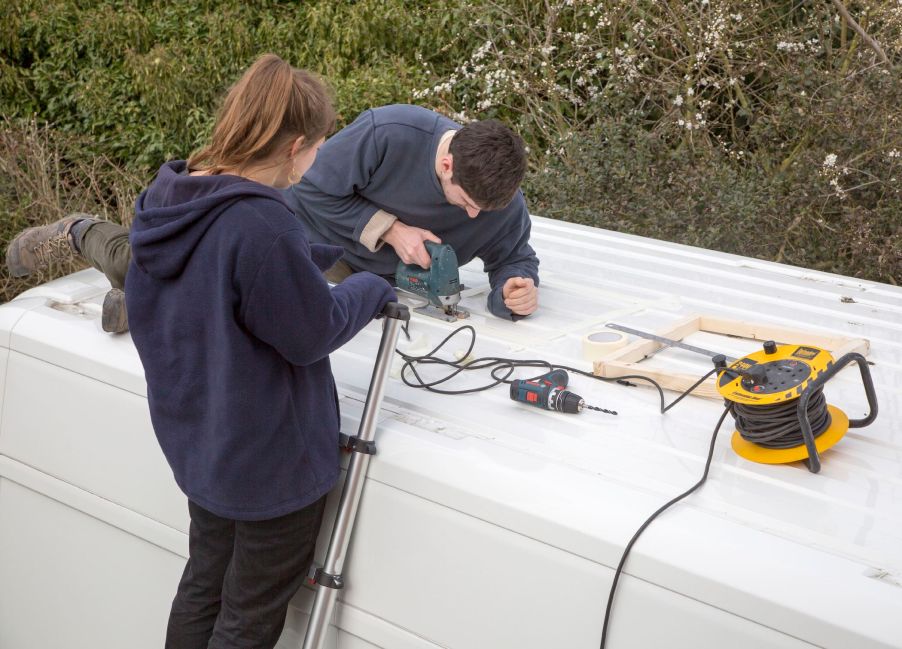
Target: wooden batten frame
<point x="627" y="360"/>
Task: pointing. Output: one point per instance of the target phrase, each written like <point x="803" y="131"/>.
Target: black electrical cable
<point x="771" y="426"/>
<point x="508" y="365"/>
<point x="777" y="425"/>
<point x="501" y="368"/>
<point x="629" y="546"/>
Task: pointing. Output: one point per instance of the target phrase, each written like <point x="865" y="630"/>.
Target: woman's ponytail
<point x="270" y="106"/>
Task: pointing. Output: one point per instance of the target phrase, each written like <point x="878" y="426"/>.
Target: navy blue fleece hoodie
<point x="234" y="322"/>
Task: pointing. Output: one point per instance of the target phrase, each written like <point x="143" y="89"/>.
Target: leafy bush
<point x="770" y="128"/>
<point x="702" y="70"/>
<point x="142" y="80"/>
<point x="115" y="88"/>
<point x="766" y="128"/>
<point x="623" y="178"/>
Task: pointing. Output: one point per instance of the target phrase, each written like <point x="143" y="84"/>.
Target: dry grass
<point x="45" y="175"/>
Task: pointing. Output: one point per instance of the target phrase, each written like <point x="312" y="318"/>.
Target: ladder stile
<point x="329" y="579"/>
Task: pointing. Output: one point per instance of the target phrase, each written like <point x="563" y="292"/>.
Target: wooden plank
<point x="682" y="328"/>
<point x="634" y="352"/>
<point x="641" y="347"/>
<point x="668" y="380"/>
<point x="759" y="331"/>
<point x="626" y="361"/>
<point x="859" y="345"/>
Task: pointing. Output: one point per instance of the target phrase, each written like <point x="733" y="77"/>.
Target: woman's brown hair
<point x="271" y="105"/>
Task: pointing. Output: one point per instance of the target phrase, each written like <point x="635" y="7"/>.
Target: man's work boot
<point x="38" y="247"/>
<point x="114" y="319"/>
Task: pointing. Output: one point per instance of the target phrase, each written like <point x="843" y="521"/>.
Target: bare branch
<point x="873" y="44"/>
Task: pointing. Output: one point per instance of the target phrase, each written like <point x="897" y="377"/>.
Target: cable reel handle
<point x="869" y="391"/>
<point x="814" y="463"/>
<point x="866" y="380"/>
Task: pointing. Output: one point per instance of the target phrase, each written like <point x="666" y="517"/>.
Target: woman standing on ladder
<point x="234" y="322"/>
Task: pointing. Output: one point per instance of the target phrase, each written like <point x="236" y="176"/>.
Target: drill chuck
<point x="566" y="401"/>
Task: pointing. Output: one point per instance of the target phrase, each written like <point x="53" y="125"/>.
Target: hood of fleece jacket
<point x="173" y="214"/>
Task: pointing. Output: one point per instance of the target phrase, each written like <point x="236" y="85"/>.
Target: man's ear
<point x="446" y="164"/>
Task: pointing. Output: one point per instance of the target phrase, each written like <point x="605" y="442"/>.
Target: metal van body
<point x="486" y="523"/>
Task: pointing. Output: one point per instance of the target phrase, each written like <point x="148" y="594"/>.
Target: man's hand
<point x="520" y="295"/>
<point x="408" y="243"/>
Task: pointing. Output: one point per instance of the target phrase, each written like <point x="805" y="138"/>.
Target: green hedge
<point x="760" y="127"/>
<point x="770" y="129"/>
<point x="141" y="79"/>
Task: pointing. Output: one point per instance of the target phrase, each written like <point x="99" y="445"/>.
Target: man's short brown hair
<point x="489" y="163"/>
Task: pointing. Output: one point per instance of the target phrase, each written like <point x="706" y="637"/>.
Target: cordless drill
<point x="548" y="392"/>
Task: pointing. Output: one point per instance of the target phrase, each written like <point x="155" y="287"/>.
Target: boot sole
<point x="14" y="266"/>
<point x="114" y="318"/>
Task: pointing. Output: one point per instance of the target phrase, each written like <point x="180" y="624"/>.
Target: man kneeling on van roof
<point x="399" y="175"/>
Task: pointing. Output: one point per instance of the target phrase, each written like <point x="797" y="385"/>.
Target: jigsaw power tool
<point x="439" y="284"/>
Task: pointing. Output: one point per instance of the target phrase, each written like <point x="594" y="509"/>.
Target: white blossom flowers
<point x="811" y="45"/>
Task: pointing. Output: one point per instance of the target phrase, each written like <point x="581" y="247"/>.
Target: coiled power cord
<point x="772" y="426"/>
<point x="777" y="425"/>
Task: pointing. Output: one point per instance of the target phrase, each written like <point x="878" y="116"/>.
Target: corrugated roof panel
<point x="767" y="542"/>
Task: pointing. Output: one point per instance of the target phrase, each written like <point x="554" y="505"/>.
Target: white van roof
<point x="817" y="556"/>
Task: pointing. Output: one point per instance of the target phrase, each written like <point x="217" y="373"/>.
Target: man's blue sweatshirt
<point x="234" y="322"/>
<point x="385" y="160"/>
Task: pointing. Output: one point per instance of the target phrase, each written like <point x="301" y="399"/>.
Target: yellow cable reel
<point x="783" y="373"/>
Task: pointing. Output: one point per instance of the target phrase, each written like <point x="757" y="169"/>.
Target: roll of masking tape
<point x="599" y="344"/>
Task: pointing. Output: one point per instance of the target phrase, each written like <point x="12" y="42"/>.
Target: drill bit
<point x="604" y="410"/>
